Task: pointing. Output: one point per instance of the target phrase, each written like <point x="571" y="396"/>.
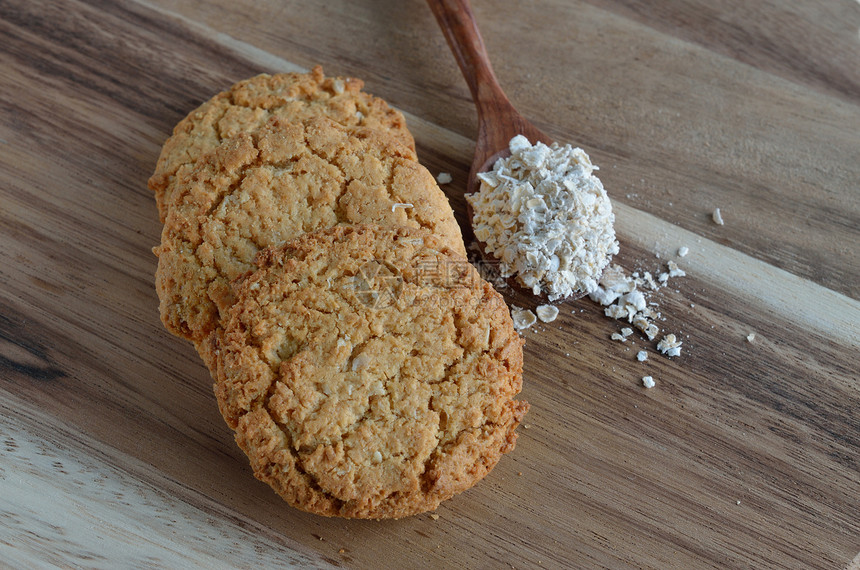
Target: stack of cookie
<point x="367" y="369"/>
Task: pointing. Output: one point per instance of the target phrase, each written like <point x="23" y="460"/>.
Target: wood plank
<point x="606" y="473"/>
<point x="807" y="42"/>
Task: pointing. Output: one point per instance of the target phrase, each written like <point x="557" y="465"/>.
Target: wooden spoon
<point x="498" y="120"/>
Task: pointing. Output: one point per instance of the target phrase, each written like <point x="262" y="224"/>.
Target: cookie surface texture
<point x="249" y="104"/>
<point x="369" y="373"/>
<point x="263" y="188"/>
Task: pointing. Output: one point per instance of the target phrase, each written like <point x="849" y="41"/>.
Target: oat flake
<point x="547" y="313"/>
<point x="522" y="318"/>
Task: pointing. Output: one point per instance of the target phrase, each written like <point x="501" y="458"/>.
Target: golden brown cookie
<point x="251" y="103"/>
<point x="369" y="372"/>
<point x="260" y="189"/>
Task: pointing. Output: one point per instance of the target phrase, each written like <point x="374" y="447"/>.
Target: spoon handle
<point x="498" y="120"/>
<point x="458" y="23"/>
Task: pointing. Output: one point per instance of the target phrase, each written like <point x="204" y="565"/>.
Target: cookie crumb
<point x="683" y="251"/>
<point x="718" y="217"/>
<point x="547" y="313"/>
<point x="523" y="318"/>
<point x="751" y="337"/>
<point x="444" y="178"/>
<point x="648" y="381"/>
<point x="434" y="516"/>
<point x="641" y="356"/>
<point x="342" y="551"/>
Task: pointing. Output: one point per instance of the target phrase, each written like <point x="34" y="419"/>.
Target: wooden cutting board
<point x="744" y="454"/>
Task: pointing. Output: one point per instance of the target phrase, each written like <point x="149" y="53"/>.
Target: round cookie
<point x="251" y="103"/>
<point x="260" y="189"/>
<point x="369" y="372"/>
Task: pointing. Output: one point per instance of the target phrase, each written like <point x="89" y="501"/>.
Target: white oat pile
<point x="546" y="218"/>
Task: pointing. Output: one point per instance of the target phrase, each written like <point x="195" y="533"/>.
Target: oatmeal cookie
<point x="250" y="103"/>
<point x="262" y="188"/>
<point x="369" y="372"/>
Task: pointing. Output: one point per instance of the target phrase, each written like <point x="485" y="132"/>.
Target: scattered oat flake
<point x="547" y="313"/>
<point x="669" y="345"/>
<point x="641" y="356"/>
<point x="624" y="297"/>
<point x="674" y="270"/>
<point x="751" y="337"/>
<point x="648" y="381"/>
<point x="523" y="318"/>
<point x="401" y="205"/>
<point x="443" y="178"/>
<point x="717" y="216"/>
<point x="683" y="251"/>
<point x="434" y="516"/>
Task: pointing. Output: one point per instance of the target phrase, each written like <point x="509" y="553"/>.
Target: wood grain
<point x="65" y="506"/>
<point x="745" y="454"/>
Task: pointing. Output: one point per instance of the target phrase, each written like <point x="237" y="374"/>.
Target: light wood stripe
<point x="61" y="497"/>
